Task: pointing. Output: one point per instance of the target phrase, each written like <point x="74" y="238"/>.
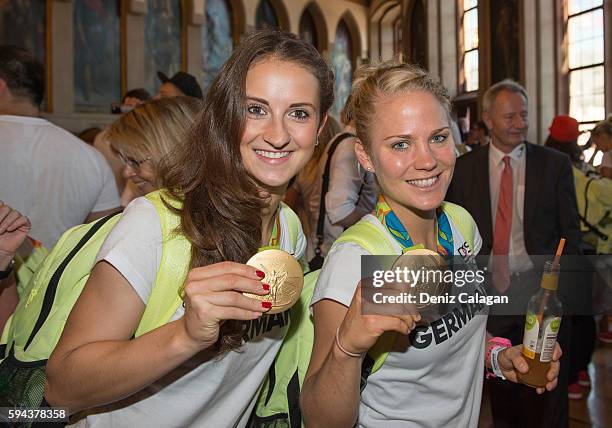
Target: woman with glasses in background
<point x="146" y="136"/>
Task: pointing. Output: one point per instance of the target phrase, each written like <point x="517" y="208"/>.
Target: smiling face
<point x="140" y="172"/>
<point x="282" y="121"/>
<point x="507" y="120"/>
<point x="411" y="150"/>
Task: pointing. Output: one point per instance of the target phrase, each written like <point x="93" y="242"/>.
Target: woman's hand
<point x="213" y="294"/>
<point x="14" y="228"/>
<point x="511" y="361"/>
<point x="358" y="333"/>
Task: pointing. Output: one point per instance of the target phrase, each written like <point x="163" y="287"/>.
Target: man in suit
<point x="523" y="200"/>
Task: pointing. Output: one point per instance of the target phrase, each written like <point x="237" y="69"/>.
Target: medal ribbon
<point x="389" y="219"/>
<point x="275" y="236"/>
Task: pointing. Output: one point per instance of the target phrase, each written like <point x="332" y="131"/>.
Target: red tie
<point x="503" y="227"/>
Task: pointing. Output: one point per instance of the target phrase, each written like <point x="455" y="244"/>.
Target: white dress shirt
<point x="520" y="261"/>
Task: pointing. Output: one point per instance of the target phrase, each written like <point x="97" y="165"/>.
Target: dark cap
<point x="185" y="82"/>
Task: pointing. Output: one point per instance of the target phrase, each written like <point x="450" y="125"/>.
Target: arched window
<point x="97" y="83"/>
<point x="397" y="35"/>
<point x="468" y="41"/>
<point x="23" y="23"/>
<point x="265" y="17"/>
<point x="308" y="29"/>
<point x="584" y="28"/>
<point x="217" y="40"/>
<point x="418" y="34"/>
<point x="163" y="50"/>
<point x="342" y="57"/>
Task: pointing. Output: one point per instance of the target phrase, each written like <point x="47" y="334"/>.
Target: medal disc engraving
<point x="283" y="274"/>
<point x="426" y="261"/>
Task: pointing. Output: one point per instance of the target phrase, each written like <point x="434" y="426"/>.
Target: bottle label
<point x="530" y="338"/>
<point x="549" y="337"/>
<point x="540" y="338"/>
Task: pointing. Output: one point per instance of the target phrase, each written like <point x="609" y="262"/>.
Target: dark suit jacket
<point x="550" y="211"/>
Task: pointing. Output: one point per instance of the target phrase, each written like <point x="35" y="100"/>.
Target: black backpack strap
<point x="55" y="279"/>
<point x="325" y="187"/>
<point x="366" y="370"/>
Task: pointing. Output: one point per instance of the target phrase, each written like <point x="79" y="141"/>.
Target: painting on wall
<point x="265" y="16"/>
<point x="162" y="41"/>
<point x="217" y="43"/>
<point x="18" y="15"/>
<point x="97" y="67"/>
<point x="505" y="45"/>
<point x="341" y="57"/>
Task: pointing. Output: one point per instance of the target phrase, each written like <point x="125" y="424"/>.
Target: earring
<point x="317" y="143"/>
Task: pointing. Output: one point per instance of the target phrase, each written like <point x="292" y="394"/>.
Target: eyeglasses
<point x="133" y="163"/>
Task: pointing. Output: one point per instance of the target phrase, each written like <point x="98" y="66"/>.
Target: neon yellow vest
<point x="34" y="329"/>
<point x="278" y="401"/>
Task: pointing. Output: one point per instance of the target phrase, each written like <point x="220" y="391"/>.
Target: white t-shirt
<point x="51" y="176"/>
<point x="437" y="380"/>
<point x="202" y="392"/>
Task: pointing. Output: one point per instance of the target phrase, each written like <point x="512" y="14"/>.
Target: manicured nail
<point x="266" y="287"/>
<point x="266" y="305"/>
<point x="260" y="274"/>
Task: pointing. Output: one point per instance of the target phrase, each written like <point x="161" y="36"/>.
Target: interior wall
<point x="62" y="54"/>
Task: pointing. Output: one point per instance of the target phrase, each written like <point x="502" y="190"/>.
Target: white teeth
<point x="424" y="183"/>
<point x="272" y="155"/>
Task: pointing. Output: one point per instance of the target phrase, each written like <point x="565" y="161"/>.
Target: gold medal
<point x="283" y="274"/>
<point x="427" y="261"/>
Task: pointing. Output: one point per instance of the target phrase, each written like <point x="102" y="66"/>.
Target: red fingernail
<point x="266" y="305"/>
<point x="260" y="274"/>
<point x="266" y="287"/>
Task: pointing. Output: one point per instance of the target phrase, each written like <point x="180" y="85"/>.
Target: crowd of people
<point x="163" y="334"/>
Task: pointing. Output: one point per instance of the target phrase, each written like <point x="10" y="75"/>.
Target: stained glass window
<point x="265" y="16"/>
<point x="23" y="23"/>
<point x="217" y="40"/>
<point x="341" y="56"/>
<point x="162" y="41"/>
<point x="307" y="29"/>
<point x="97" y="68"/>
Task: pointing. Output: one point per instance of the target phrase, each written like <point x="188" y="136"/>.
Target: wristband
<point x="349" y="353"/>
<point x="494" y="364"/>
<point x="496" y="345"/>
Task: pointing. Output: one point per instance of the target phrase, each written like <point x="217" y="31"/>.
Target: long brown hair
<point x="222" y="204"/>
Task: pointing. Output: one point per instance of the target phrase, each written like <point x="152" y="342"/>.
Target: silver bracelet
<point x="349" y="353"/>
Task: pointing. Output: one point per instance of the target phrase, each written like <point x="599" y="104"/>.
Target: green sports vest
<point x="278" y="404"/>
<point x="35" y="328"/>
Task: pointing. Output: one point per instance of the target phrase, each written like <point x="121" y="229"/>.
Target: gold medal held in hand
<point x="427" y="261"/>
<point x="283" y="274"/>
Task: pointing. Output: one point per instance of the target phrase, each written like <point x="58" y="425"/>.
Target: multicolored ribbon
<point x="395" y="227"/>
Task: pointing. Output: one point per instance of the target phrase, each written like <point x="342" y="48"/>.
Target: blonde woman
<point x="146" y="136"/>
<point x="602" y="137"/>
<point x="433" y="375"/>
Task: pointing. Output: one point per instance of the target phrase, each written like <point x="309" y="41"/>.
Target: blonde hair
<point x="154" y="129"/>
<point x="389" y="78"/>
<point x="603" y="127"/>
